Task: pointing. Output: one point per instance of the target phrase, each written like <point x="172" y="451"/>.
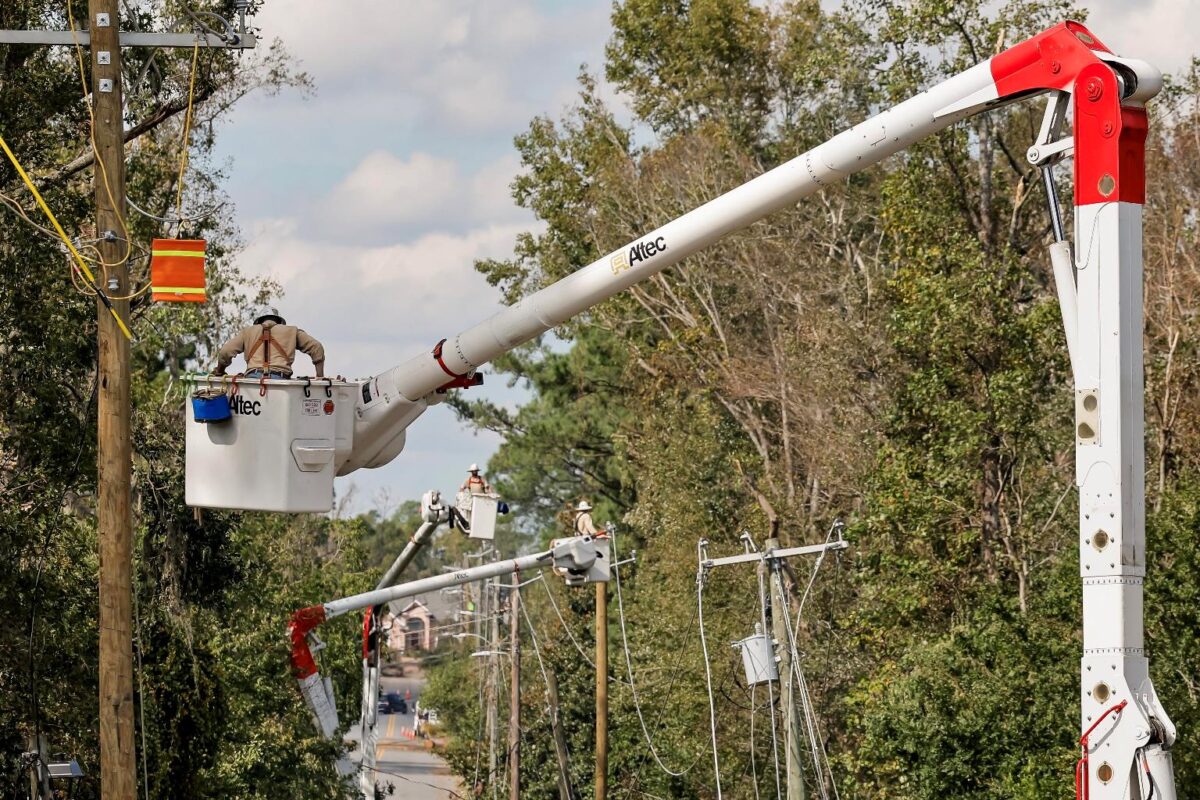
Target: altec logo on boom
<point x="639" y="252"/>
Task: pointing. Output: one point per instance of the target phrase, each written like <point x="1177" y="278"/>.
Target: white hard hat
<point x="268" y="313"/>
<point x="473" y="468"/>
<point x="584" y="505"/>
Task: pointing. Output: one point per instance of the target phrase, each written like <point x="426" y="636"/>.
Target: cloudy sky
<point x="371" y="200"/>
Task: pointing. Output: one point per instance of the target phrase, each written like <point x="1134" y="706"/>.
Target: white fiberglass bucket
<point x="280" y="449"/>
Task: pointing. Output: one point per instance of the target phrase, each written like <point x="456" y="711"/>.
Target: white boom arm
<point x="395" y="398"/>
<point x="1126" y="732"/>
<point x="579" y="559"/>
<point x="399" y="395"/>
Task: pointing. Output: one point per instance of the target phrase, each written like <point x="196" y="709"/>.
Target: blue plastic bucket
<point x="211" y="409"/>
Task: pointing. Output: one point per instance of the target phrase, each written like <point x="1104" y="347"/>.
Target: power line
<point x="753" y="765"/>
<point x="675" y="684"/>
<point x="762" y="614"/>
<point x="537" y="651"/>
<point x="450" y="792"/>
<point x="712" y="709"/>
<point x="816" y="745"/>
<point x="567" y="628"/>
<point x="837" y="527"/>
<point x="629" y="666"/>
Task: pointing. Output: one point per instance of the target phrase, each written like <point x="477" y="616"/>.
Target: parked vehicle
<point x="396" y="703"/>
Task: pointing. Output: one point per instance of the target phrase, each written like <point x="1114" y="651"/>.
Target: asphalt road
<point x="403" y="761"/>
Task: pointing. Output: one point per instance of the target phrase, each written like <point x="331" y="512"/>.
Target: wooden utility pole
<point x="787" y="697"/>
<point x="601" y="691"/>
<point x="493" y="679"/>
<point x="514" y="701"/>
<point x="565" y="792"/>
<point x="118" y="770"/>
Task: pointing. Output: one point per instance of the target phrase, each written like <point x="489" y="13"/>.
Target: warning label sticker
<point x="311" y="407"/>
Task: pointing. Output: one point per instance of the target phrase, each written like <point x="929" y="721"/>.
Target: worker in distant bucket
<point x="270" y="346"/>
<point x="583" y="519"/>
<point x="475" y="483"/>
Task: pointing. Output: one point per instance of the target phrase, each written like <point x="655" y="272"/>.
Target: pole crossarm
<point x="234" y="41"/>
<point x="786" y="552"/>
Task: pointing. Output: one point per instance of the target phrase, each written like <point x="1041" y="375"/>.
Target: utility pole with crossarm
<point x="114" y="465"/>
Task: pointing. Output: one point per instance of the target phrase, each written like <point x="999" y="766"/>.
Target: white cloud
<point x="473" y="64"/>
<point x="384" y="188"/>
<point x="373" y="306"/>
<point x="1162" y="32"/>
<point x="387" y="194"/>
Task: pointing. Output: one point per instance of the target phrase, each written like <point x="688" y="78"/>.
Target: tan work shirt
<point x="584" y="525"/>
<point x="285" y="340"/>
<point x="475" y="484"/>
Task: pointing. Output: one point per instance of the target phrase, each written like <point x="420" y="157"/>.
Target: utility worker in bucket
<point x="270" y="346"/>
<point x="475" y="483"/>
<point x="583" y="519"/>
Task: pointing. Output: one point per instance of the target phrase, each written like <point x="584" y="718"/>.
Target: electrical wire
<point x="205" y="214"/>
<point x="82" y="266"/>
<point x="1149" y="795"/>
<point x="816" y="744"/>
<point x="712" y="708"/>
<point x="228" y="35"/>
<point x="629" y="665"/>
<point x="566" y="627"/>
<point x="762" y="611"/>
<point x="22" y="214"/>
<point x="675" y="682"/>
<point x="753" y="765"/>
<point x="798" y="674"/>
<point x="479" y="737"/>
<point x="554" y="721"/>
<point x="802" y="684"/>
<point x="187" y="131"/>
<point x="415" y="782"/>
<point x="836" y="527"/>
<point x="575" y="642"/>
<point x="14" y="205"/>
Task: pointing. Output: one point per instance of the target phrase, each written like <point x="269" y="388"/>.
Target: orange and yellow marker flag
<point x="177" y="270"/>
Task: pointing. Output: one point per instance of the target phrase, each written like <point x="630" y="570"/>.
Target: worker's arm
<point x="313" y="349"/>
<point x="232" y="348"/>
